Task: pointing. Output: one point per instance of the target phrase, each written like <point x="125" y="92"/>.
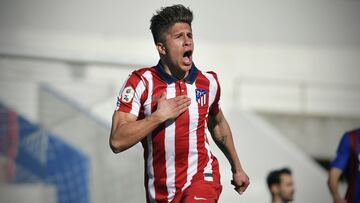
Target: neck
<point x="175" y="72"/>
<point x="277" y="199"/>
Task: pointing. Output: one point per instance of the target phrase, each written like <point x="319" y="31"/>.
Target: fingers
<point x="183" y="107"/>
<point x="181" y="102"/>
<point x="180" y="97"/>
<point x="241" y="186"/>
<point x="173" y="107"/>
<point x="184" y="102"/>
<point x="237" y="187"/>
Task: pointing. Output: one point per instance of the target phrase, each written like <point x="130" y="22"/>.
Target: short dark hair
<point x="166" y="17"/>
<point x="274" y="176"/>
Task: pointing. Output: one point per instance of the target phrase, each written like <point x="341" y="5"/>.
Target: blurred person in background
<point x="281" y="185"/>
<point x="167" y="108"/>
<point x="347" y="160"/>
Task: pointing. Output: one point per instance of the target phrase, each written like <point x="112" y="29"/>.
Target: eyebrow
<point x="181" y="33"/>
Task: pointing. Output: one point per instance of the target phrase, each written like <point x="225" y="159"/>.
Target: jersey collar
<point x="190" y="78"/>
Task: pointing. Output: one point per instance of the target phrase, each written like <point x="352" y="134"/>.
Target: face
<point x="286" y="188"/>
<point x="178" y="47"/>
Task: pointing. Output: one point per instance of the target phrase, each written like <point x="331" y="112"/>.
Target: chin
<point x="186" y="67"/>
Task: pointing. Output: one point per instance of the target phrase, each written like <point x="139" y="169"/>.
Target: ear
<point x="274" y="189"/>
<point x="161" y="48"/>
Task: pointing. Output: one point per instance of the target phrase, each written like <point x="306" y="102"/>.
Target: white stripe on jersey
<point x="150" y="166"/>
<point x="170" y="148"/>
<point x="135" y="105"/>
<point x="212" y="94"/>
<point x="193" y="152"/>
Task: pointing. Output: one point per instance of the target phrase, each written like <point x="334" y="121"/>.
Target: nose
<point x="187" y="41"/>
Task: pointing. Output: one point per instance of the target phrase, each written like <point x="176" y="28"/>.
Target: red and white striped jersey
<point x="177" y="152"/>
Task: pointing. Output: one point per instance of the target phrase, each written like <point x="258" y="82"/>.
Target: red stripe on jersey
<point x="214" y="165"/>
<point x="215" y="168"/>
<point x="159" y="163"/>
<point x="214" y="109"/>
<point x="181" y="140"/>
<point x="203" y="83"/>
<point x="146" y="177"/>
<point x="158" y="140"/>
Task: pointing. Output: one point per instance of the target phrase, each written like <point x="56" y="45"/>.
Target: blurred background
<point x="289" y="72"/>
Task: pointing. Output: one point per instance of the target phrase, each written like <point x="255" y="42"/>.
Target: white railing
<point x="290" y="96"/>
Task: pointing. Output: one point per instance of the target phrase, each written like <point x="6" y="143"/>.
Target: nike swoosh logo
<point x="199" y="198"/>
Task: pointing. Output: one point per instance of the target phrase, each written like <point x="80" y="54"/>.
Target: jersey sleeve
<point x="129" y="99"/>
<point x="215" y="106"/>
<point x="342" y="154"/>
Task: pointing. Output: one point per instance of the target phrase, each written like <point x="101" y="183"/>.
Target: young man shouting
<point x="167" y="108"/>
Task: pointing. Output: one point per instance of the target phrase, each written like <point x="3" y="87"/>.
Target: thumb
<point x="163" y="96"/>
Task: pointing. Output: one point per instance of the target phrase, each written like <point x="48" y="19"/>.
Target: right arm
<point x="337" y="166"/>
<point x="333" y="183"/>
<point x="126" y="130"/>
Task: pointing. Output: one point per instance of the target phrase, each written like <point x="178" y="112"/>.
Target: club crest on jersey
<point x="127" y="94"/>
<point x="201" y="96"/>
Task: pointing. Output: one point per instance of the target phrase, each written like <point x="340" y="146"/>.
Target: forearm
<point x="221" y="133"/>
<point x="126" y="130"/>
<point x="125" y="135"/>
<point x="225" y="142"/>
<point x="333" y="182"/>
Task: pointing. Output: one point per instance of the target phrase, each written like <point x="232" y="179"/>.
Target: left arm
<point x="221" y="133"/>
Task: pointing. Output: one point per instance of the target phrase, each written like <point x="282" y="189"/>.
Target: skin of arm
<point x="126" y="130"/>
<point x="221" y="133"/>
<point x="333" y="183"/>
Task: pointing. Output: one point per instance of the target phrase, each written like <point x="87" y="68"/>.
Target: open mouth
<point x="187" y="57"/>
<point x="188" y="53"/>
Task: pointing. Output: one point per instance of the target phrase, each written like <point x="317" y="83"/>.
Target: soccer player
<point x="281" y="185"/>
<point x="347" y="160"/>
<point x="167" y="108"/>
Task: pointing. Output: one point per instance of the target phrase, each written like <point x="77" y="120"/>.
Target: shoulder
<point x="354" y="131"/>
<point x="352" y="137"/>
<point x="140" y="72"/>
<point x="345" y="140"/>
<point x="351" y="134"/>
<point x="213" y="73"/>
<point x="208" y="74"/>
<point x="212" y="76"/>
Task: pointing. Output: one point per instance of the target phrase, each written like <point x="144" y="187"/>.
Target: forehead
<point x="285" y="178"/>
<point x="179" y="27"/>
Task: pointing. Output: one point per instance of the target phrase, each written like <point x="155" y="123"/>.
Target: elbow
<point x="117" y="146"/>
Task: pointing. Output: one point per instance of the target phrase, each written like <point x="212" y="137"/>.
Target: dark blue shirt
<point x="348" y="160"/>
